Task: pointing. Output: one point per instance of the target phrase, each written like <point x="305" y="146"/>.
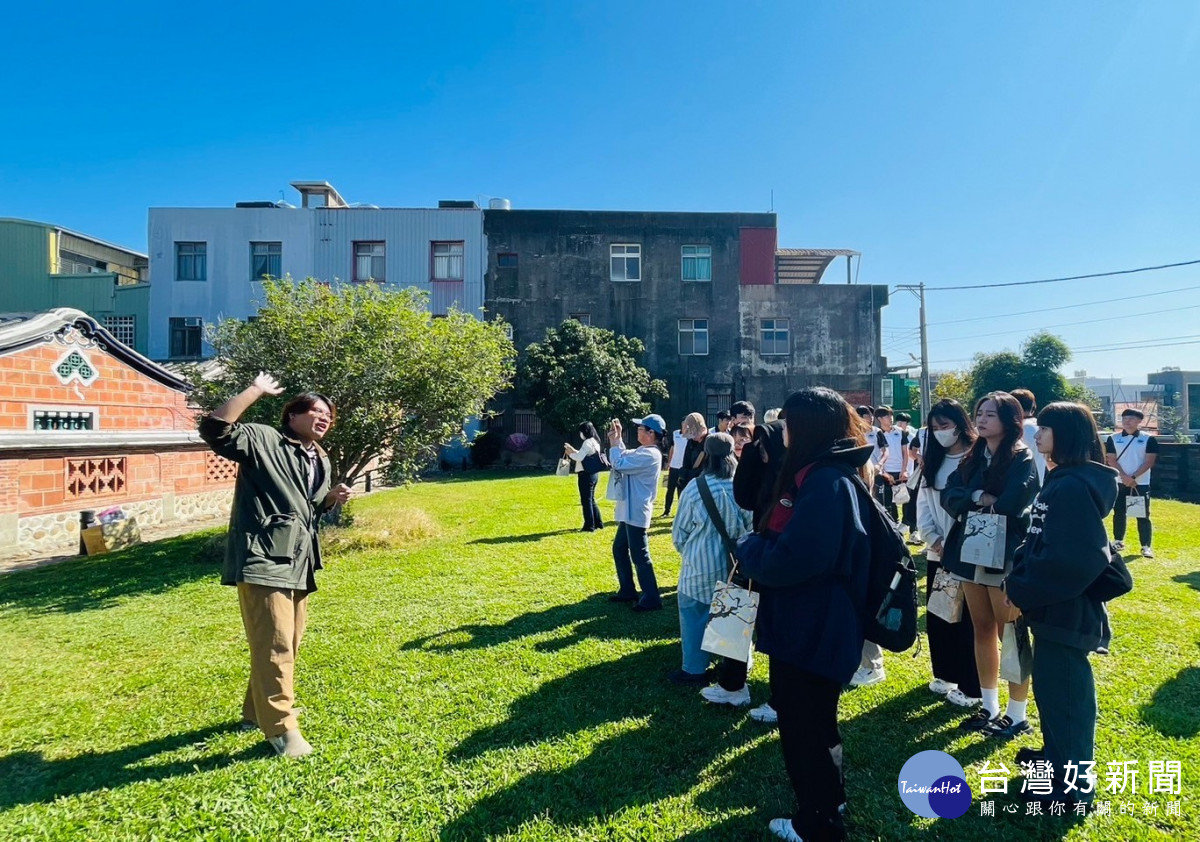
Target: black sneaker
<point x="641" y="606"/>
<point x="1004" y="728"/>
<point x="622" y="598"/>
<point x="977" y="721"/>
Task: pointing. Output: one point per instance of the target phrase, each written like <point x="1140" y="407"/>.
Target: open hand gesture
<point x="267" y="384"/>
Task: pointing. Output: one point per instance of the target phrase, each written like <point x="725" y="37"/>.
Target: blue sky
<point x="950" y="143"/>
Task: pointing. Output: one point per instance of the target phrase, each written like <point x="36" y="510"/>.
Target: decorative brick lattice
<point x="95" y="477"/>
<point x="219" y="469"/>
<point x="74" y="365"/>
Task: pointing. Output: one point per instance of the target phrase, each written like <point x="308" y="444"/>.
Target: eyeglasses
<point x="320" y="413"/>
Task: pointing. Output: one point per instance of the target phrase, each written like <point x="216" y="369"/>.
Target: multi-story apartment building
<point x="43" y="267"/>
<point x="209" y="263"/>
<point x="725" y="314"/>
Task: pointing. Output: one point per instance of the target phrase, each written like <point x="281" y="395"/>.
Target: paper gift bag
<point x="983" y="540"/>
<point x="731" y="628"/>
<point x="900" y="495"/>
<point x="946" y="598"/>
<point x="564" y="468"/>
<point x="615" y="490"/>
<point x="1016" y="655"/>
<point x="1135" y="505"/>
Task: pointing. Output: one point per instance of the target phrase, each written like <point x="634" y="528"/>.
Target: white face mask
<point x="946" y="438"/>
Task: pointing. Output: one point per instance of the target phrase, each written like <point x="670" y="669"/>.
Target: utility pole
<point x="925" y="396"/>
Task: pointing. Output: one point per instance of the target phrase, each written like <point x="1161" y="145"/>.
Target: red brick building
<point x="88" y="423"/>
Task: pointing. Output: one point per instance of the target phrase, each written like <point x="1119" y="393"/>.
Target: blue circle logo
<point x="933" y="784"/>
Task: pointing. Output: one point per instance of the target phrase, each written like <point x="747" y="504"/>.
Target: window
<point x="887" y="393"/>
<point x="123" y="328"/>
<point x="369" y="262"/>
<point x="773" y="337"/>
<point x="508" y="332"/>
<point x="63" y="419"/>
<point x="582" y="318"/>
<point x="191" y="261"/>
<point x="447" y="261"/>
<point x="185" y="337"/>
<point x="693" y="337"/>
<point x="508" y="260"/>
<point x="625" y="262"/>
<point x="266" y="261"/>
<point x="697" y="263"/>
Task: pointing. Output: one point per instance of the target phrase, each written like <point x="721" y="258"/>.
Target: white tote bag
<point x="615" y="490"/>
<point x="1016" y="656"/>
<point x="564" y="468"/>
<point x="1135" y="504"/>
<point x="900" y="494"/>
<point x="983" y="540"/>
<point x="730" y="630"/>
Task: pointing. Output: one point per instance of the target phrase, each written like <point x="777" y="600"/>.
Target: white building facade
<point x="207" y="264"/>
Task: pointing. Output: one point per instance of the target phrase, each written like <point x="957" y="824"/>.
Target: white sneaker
<point x="292" y="744"/>
<point x="942" y="687"/>
<point x="958" y="697"/>
<point x="1118" y="545"/>
<point x="764" y="713"/>
<point x="1147" y="552"/>
<point x="784" y="830"/>
<point x="718" y="695"/>
<point x="865" y="677"/>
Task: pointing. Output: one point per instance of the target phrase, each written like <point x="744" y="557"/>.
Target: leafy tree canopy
<point x="581" y="373"/>
<point x="1035" y="369"/>
<point x="402" y="381"/>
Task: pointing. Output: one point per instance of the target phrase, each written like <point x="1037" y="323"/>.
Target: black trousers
<point x="883" y="491"/>
<point x="812" y="748"/>
<point x="587" y="500"/>
<point x="951" y="645"/>
<point x="1145" y="529"/>
<point x="1065" y="690"/>
<point x="673" y="477"/>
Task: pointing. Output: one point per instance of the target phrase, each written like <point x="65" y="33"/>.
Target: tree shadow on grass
<point x="1175" y="709"/>
<point x="88" y="584"/>
<point x="592" y="618"/>
<point x="522" y="539"/>
<point x="27" y="777"/>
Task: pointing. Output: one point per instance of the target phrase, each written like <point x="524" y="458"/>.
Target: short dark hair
<point x="742" y="408"/>
<point x="903" y="416"/>
<point x="723" y="414"/>
<point x="865" y="410"/>
<point x="1076" y="440"/>
<point x="1027" y="400"/>
<point x="882" y="411"/>
<point x="1136" y="413"/>
<point x="302" y="403"/>
<point x="742" y="428"/>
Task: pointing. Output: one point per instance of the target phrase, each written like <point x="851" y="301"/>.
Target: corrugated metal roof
<point x="805" y="266"/>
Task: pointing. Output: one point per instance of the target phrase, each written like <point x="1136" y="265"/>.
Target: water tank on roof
<point x="499" y="204"/>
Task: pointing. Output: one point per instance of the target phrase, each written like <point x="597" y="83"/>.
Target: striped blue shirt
<point x="699" y="542"/>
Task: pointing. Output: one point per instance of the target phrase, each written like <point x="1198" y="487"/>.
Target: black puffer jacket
<point x="1066" y="550"/>
<point x="758" y="470"/>
<point x="1020" y="487"/>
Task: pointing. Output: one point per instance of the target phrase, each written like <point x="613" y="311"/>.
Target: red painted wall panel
<point x="758" y="256"/>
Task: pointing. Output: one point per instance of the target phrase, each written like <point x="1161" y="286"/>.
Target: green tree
<point x="580" y="373"/>
<point x="402" y="381"/>
<point x="1035" y="369"/>
<point x="953" y="385"/>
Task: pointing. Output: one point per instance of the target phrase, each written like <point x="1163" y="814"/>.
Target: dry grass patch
<point x="378" y="529"/>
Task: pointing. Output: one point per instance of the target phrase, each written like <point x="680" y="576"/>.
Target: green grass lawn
<point x="477" y="684"/>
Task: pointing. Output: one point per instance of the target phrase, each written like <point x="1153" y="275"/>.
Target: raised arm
<point x="232" y="409"/>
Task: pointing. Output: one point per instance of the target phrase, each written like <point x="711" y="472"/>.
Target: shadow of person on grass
<point x="1174" y="711"/>
<point x="592" y="618"/>
<point x="1192" y="580"/>
<point x="522" y="539"/>
<point x="88" y="584"/>
<point x="658" y="759"/>
<point x="27" y="777"/>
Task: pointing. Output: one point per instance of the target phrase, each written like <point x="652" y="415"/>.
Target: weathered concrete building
<point x="725" y="315"/>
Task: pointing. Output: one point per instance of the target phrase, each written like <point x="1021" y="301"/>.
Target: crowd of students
<point x="783" y="490"/>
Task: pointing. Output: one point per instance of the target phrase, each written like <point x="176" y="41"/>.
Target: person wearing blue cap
<point x="635" y="476"/>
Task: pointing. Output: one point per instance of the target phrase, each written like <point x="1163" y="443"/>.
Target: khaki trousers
<point x="274" y="619"/>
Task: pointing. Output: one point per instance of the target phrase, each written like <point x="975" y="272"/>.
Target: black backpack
<point x="891" y="607"/>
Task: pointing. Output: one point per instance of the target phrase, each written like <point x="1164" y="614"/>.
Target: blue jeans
<point x="693" y="617"/>
<point x="630" y="552"/>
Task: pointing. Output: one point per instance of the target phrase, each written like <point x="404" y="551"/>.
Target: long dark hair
<point x="588" y="431"/>
<point x="815" y="419"/>
<point x="1076" y="440"/>
<point x="934" y="455"/>
<point x="1011" y="418"/>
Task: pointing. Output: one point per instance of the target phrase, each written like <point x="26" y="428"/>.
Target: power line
<point x="1068" y="278"/>
<point x="1121" y="317"/>
<point x="1063" y="307"/>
